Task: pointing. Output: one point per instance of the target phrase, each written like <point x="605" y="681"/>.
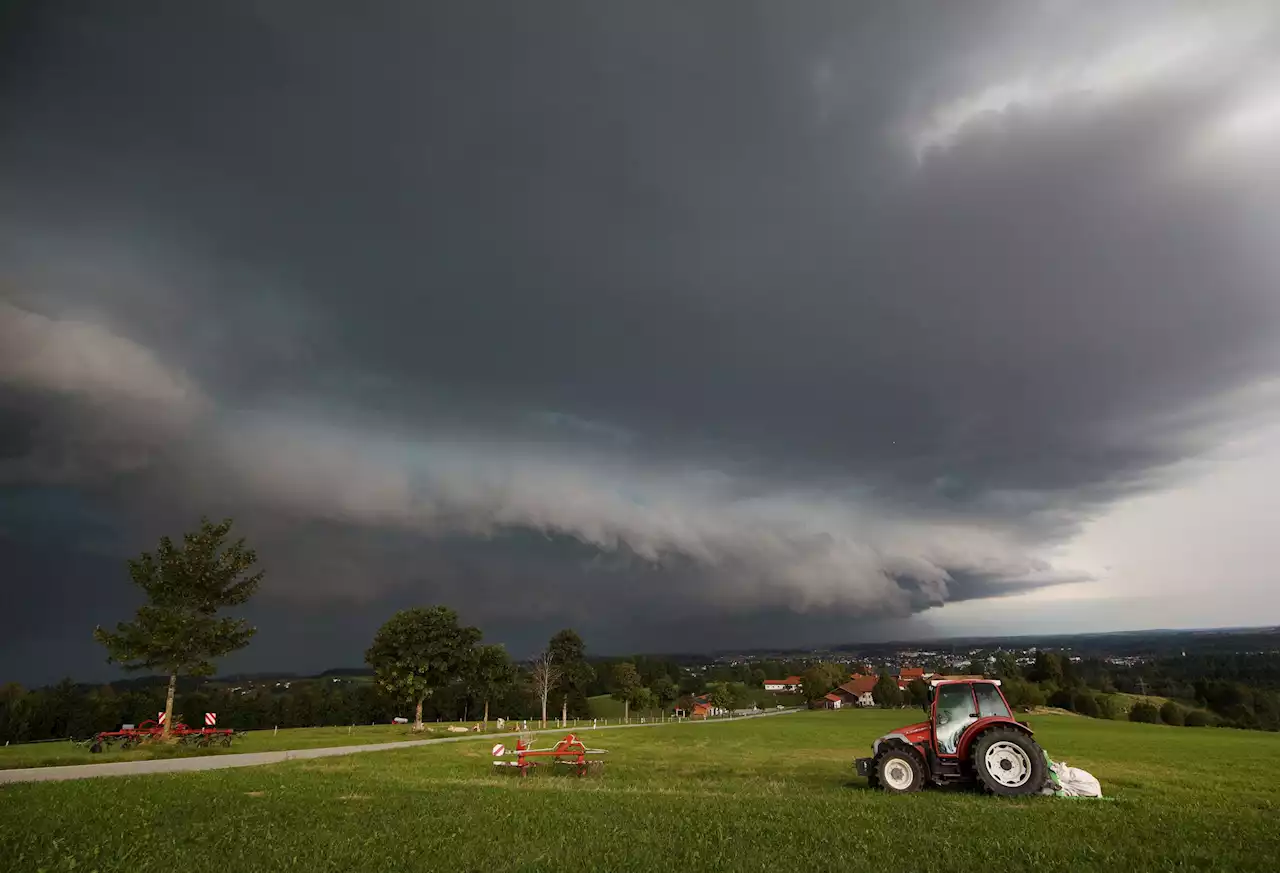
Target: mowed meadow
<point x="65" y="753"/>
<point x="756" y="794"/>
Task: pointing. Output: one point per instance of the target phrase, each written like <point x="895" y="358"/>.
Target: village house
<point x="702" y="707"/>
<point x="855" y="692"/>
<point x="791" y="684"/>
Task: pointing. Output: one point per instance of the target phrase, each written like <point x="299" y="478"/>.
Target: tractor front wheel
<point x="1009" y="763"/>
<point x="899" y="771"/>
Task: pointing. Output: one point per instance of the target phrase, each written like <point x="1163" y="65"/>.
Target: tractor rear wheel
<point x="1009" y="763"/>
<point x="899" y="771"/>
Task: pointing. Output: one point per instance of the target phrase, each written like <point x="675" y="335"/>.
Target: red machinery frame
<point x="150" y="731"/>
<point x="570" y="751"/>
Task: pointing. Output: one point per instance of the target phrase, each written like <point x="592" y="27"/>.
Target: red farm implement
<point x="971" y="738"/>
<point x="150" y="731"/>
<point x="570" y="752"/>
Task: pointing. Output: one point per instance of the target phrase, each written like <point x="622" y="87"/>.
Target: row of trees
<point x="1090" y="686"/>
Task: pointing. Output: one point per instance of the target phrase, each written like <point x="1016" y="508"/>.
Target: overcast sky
<point x="688" y="325"/>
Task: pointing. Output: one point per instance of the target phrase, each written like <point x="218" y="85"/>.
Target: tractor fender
<point x="894" y="738"/>
<point x="981" y="726"/>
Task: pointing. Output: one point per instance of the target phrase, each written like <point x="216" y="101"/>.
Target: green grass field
<point x="762" y="794"/>
<point x="62" y="753"/>
<point x="604" y="706"/>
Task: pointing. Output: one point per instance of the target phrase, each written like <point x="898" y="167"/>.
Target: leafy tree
<point x="420" y="652"/>
<point x="1171" y="713"/>
<point x="642" y="699"/>
<point x="819" y="679"/>
<point x="626" y="681"/>
<point x="568" y="653"/>
<point x="1006" y="666"/>
<point x="178" y="629"/>
<point x="1144" y="712"/>
<point x="1070" y="676"/>
<point x="491" y="673"/>
<point x="1085" y="703"/>
<point x="1047" y="668"/>
<point x="1062" y="699"/>
<point x="886" y="692"/>
<point x="721" y="695"/>
<point x="739" y="696"/>
<point x="917" y="692"/>
<point x="665" y="691"/>
<point x="758" y="678"/>
<point x="1107" y="706"/>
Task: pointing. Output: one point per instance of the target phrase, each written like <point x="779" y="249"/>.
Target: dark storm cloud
<point x="676" y="311"/>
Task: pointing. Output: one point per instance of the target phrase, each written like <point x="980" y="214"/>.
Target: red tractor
<point x="971" y="737"/>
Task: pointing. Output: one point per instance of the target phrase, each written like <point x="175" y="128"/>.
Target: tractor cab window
<point x="989" y="700"/>
<point x="953" y="714"/>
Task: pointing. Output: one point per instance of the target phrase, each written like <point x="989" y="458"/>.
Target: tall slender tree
<point x="178" y="629"/>
<point x="568" y="653"/>
<point x="491" y="674"/>
<point x="626" y="683"/>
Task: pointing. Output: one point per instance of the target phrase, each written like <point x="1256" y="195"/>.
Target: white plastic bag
<point x="1074" y="782"/>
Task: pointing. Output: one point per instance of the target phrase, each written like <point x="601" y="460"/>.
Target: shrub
<point x="1171" y="713"/>
<point x="1085" y="703"/>
<point x="1198" y="718"/>
<point x="1145" y="712"/>
<point x="1062" y="699"/>
<point x="1109" y="707"/>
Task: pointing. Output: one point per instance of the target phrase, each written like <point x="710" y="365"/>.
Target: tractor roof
<point x="959" y="680"/>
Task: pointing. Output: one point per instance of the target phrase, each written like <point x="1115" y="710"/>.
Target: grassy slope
<point x="765" y="794"/>
<point x="1124" y="702"/>
<point x="604" y="706"/>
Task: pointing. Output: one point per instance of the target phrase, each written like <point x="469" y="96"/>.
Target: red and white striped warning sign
<point x="160" y="718"/>
<point x="210" y="718"/>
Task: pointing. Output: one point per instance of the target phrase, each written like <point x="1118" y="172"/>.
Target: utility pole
<point x="564" y="711"/>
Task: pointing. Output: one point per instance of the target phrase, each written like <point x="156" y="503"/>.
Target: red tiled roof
<point x="859" y="685"/>
<point x="909" y="673"/>
<point x="793" y="680"/>
<point x="832" y="696"/>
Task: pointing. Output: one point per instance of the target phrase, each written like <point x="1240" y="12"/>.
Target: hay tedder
<point x="150" y="731"/>
<point x="569" y="751"/>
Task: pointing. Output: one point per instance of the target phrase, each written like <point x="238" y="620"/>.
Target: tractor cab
<point x="971" y="736"/>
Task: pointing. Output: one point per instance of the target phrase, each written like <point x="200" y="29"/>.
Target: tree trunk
<point x="564" y="711"/>
<point x="545" y="693"/>
<point x="417" y="718"/>
<point x="486" y="713"/>
<point x="168" y="707"/>
<point x="626" y="711"/>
